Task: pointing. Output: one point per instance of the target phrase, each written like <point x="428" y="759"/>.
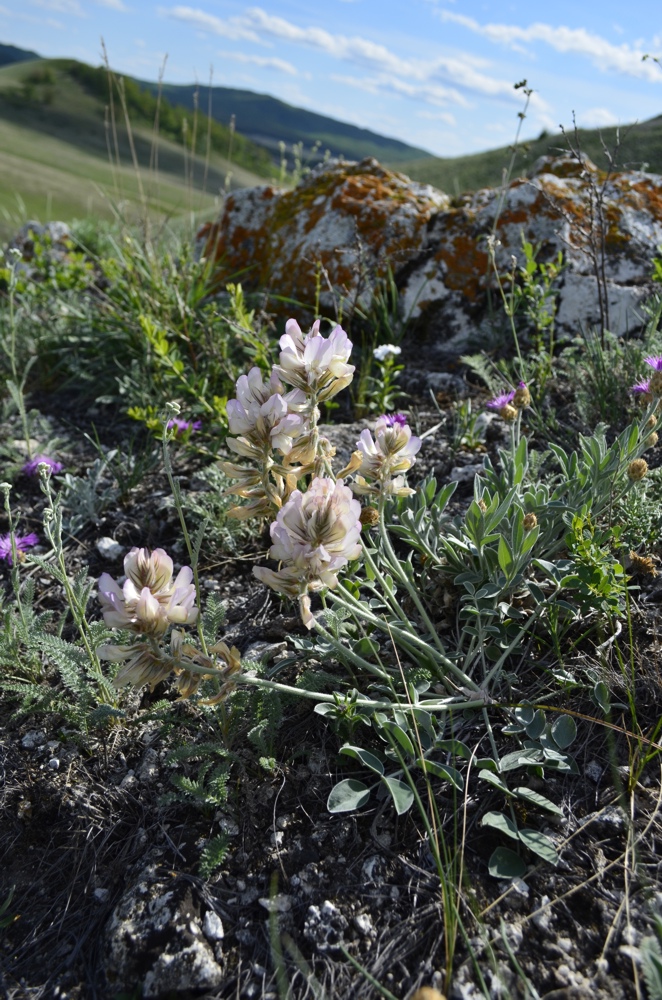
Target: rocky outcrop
<point x="358" y="219"/>
<point x="343" y="226"/>
<point x="158" y="940"/>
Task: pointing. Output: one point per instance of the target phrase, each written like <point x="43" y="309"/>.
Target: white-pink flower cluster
<point x="314" y="536"/>
<point x="313" y="363"/>
<point x="264" y="416"/>
<point x="380" y="461"/>
<point x="150" y="600"/>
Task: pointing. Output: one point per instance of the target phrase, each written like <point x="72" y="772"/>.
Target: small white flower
<point x="385" y="350"/>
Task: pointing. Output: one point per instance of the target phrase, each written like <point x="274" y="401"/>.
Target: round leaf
<point x="540" y="845"/>
<point x="347" y="795"/>
<point x="498" y="821"/>
<point x="401" y="794"/>
<point x="367" y="758"/>
<point x="564" y="731"/>
<point x="504" y="863"/>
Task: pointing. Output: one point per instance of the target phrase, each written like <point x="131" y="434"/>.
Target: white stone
<point x="108" y="548"/>
<point x="212" y="926"/>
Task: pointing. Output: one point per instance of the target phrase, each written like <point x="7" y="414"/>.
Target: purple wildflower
<point x="31" y="468"/>
<point x="641" y="387"/>
<point x="23" y="542"/>
<point x="498" y="403"/>
<point x="394" y="419"/>
<point x="181" y="426"/>
<point x="655" y="362"/>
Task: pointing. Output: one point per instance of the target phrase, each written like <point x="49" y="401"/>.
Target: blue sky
<point x="435" y="73"/>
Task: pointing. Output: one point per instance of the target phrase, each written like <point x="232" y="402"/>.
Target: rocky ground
<point x="109" y="902"/>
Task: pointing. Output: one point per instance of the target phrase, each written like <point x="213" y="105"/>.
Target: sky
<point x="437" y="74"/>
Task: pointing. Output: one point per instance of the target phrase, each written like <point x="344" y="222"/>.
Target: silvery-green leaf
<point x="402" y="795"/>
<point x="540" y="845"/>
<point x="504" y="863"/>
<point x="501" y="822"/>
<point x="564" y="731"/>
<point x="535" y="799"/>
<point x="367" y="758"/>
<point x="347" y="795"/>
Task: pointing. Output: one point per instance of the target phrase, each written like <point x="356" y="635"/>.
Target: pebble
<point x="101" y="895"/>
<point x="363" y="923"/>
<point x="54" y="763"/>
<point x="280" y="903"/>
<point x="212" y="926"/>
<point x="108" y="548"/>
<point x="32" y="739"/>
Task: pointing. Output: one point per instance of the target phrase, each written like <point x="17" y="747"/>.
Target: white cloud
<point x="596" y="118"/>
<point x="61" y="6"/>
<point x="625" y="59"/>
<point x="268" y="62"/>
<point x="434" y="80"/>
<point x="430" y="93"/>
<point x="113" y="4"/>
<point x="231" y="29"/>
<point x="437" y="116"/>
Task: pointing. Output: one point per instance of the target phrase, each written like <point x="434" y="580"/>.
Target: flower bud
<point x="651" y="423"/>
<point x="522" y="397"/>
<point x="652" y="440"/>
<point x="529" y="522"/>
<point x="369" y="517"/>
<point x="637" y="469"/>
<point x="508" y="413"/>
<point x="482" y="505"/>
<point x="655" y="383"/>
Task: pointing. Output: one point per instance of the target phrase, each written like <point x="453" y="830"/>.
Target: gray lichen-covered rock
<point x="354" y="219"/>
<point x="357" y="220"/>
<point x="157" y="939"/>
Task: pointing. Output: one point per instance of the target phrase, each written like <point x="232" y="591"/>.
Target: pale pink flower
<point x="392" y="451"/>
<point x="314" y="536"/>
<point x="315" y="363"/>
<point x="262" y="414"/>
<point x="149" y="600"/>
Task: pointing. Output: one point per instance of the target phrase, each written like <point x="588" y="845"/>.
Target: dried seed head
<point x="651" y="440"/>
<point x="529" y="522"/>
<point x="522" y="397"/>
<point x="508" y="413"/>
<point x="428" y="993"/>
<point x="651" y="422"/>
<point x="642" y="565"/>
<point x="369" y="516"/>
<point x="637" y="469"/>
<point x="655" y="383"/>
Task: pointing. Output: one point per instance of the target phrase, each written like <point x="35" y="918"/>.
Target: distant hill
<point x="268" y="122"/>
<point x="61" y="157"/>
<point x="12" y="54"/>
<point x="640" y="148"/>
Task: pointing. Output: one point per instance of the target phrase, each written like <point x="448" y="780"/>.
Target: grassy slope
<point x="640" y="144"/>
<point x="268" y="121"/>
<point x="54" y="158"/>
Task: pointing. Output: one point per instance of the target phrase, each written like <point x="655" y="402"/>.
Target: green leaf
<point x="366" y="647"/>
<point x="347" y="795"/>
<point x="564" y="731"/>
<point x="536" y="727"/>
<point x="401" y="736"/>
<point x="502" y="823"/>
<point x="494" y="779"/>
<point x="601" y="697"/>
<point x="443" y="771"/>
<point x="367" y="758"/>
<point x="506" y="561"/>
<point x="402" y="795"/>
<point x="520" y="758"/>
<point x="540" y="845"/>
<point x="535" y="799"/>
<point x="504" y="863"/>
<point x="456" y="747"/>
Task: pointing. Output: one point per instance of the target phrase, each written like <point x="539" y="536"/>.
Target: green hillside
<point x="61" y="158"/>
<point x="641" y="147"/>
<point x="269" y="122"/>
<point x="12" y="54"/>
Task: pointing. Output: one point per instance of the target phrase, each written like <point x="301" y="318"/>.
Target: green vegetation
<point x="640" y="149"/>
<point x="59" y="158"/>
